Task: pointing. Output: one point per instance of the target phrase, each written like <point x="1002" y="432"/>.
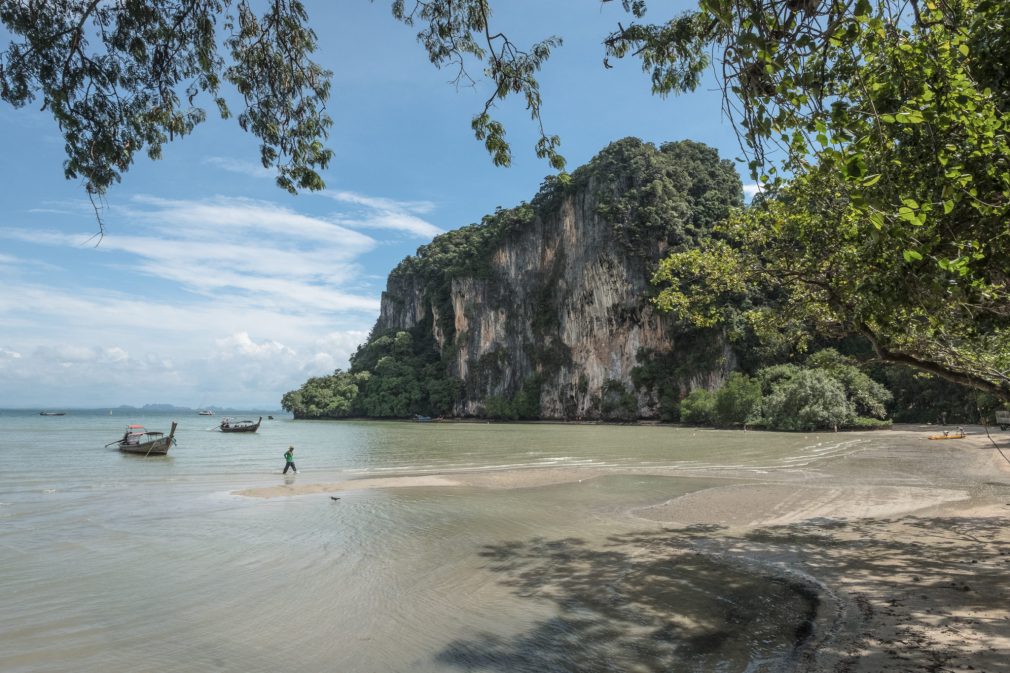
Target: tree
<point x="808" y="400"/>
<point x="867" y="396"/>
<point x="698" y="408"/>
<point x="738" y="401"/>
<point x="123" y="76"/>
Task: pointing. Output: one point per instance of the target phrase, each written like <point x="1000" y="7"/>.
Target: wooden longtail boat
<point x="228" y="425"/>
<point x="149" y="443"/>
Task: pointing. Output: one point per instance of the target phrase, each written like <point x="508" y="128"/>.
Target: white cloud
<point x="246" y="252"/>
<point x="380" y="203"/>
<point x="90" y="347"/>
<point x="218" y="301"/>
<point x="241" y="344"/>
<point x="751" y="189"/>
<point x="376" y="212"/>
<point x="381" y="213"/>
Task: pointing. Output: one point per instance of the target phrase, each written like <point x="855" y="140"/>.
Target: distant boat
<point x="270" y="418"/>
<point x="228" y="425"/>
<point x="138" y="440"/>
<point x="52" y="413"/>
<point x="422" y="419"/>
<point x="205" y="412"/>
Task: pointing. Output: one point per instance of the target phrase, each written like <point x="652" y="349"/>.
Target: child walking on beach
<point x="289" y="456"/>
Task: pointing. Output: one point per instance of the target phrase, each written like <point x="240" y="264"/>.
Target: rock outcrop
<point x="551" y="299"/>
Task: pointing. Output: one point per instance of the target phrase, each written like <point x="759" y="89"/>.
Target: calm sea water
<point x="112" y="562"/>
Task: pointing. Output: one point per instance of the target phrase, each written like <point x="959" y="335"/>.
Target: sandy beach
<point x="908" y="550"/>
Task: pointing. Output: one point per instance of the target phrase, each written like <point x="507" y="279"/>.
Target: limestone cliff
<point x="549" y="300"/>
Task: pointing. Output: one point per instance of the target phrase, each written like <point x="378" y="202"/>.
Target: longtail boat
<point x="147" y="442"/>
<point x="228" y="425"/>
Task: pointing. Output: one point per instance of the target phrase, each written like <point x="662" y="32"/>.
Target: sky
<point x="211" y="286"/>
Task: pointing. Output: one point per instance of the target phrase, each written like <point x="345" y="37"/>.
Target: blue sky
<point x="213" y="287"/>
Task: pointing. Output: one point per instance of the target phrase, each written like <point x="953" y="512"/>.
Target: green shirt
<point x="289" y="455"/>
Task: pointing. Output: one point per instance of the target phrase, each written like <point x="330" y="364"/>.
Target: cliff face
<point x="554" y="299"/>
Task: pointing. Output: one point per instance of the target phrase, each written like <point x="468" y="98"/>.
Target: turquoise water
<point x="114" y="562"/>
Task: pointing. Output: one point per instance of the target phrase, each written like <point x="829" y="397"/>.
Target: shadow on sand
<point x="918" y="594"/>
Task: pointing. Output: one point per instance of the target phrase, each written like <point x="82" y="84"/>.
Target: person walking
<point x="289" y="457"/>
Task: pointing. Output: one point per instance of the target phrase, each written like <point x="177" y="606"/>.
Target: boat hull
<point x="158" y="447"/>
<point x="243" y="427"/>
<point x="154" y="447"/>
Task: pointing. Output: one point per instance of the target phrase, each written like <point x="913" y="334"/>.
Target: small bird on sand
<point x="333" y="497"/>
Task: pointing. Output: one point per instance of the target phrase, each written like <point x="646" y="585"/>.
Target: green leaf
<point x="910" y="255"/>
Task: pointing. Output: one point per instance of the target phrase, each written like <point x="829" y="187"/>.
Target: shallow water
<point x="113" y="562"/>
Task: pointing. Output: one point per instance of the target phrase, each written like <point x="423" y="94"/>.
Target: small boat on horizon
<point x="137" y="439"/>
<point x="52" y="413"/>
<point x="228" y="425"/>
<point x="205" y="412"/>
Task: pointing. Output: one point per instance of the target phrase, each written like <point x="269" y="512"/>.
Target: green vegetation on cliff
<point x="392" y="376"/>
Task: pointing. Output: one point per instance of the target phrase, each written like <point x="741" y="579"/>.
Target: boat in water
<point x="228" y="425"/>
<point x="137" y="439"/>
<point x="52" y="413"/>
<point x="205" y="412"/>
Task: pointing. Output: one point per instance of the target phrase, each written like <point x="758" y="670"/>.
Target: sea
<point x="113" y="562"/>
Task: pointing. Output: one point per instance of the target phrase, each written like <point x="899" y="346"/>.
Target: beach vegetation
<point x="698" y="407"/>
<point x="808" y="400"/>
<point x="737" y="401"/>
<point x="828" y="390"/>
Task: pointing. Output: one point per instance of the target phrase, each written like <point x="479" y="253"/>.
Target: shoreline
<point x="907" y="542"/>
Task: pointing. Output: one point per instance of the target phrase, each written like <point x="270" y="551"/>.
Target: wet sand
<point x="909" y="549"/>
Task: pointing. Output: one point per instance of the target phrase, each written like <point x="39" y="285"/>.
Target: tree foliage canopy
<point x="124" y="76"/>
<point x="889" y="195"/>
